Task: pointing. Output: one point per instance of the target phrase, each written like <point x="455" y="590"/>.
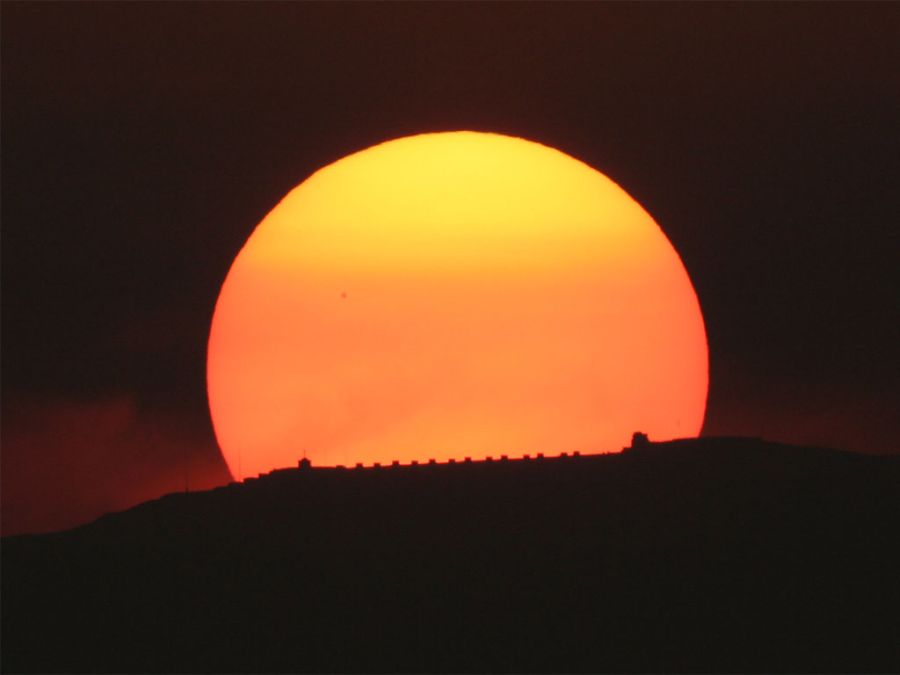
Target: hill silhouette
<point x="726" y="555"/>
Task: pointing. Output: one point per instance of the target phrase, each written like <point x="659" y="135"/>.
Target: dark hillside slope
<point x="706" y="555"/>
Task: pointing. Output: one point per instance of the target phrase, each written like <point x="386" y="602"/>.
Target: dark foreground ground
<point x="711" y="555"/>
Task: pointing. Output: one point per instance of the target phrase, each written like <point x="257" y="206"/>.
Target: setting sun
<point x="453" y="295"/>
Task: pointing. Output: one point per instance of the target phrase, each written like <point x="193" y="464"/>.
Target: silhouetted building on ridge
<point x="639" y="441"/>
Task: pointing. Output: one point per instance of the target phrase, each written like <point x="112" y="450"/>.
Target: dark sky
<point x="143" y="142"/>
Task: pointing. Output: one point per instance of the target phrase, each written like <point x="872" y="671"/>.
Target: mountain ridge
<point x="726" y="554"/>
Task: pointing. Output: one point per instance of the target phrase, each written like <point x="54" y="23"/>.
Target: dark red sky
<point x="143" y="142"/>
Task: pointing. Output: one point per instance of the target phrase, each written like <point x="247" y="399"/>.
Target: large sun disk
<point x="448" y="295"/>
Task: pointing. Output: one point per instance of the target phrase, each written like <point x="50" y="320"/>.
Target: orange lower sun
<point x="450" y="295"/>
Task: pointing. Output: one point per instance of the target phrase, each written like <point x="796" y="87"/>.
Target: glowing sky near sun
<point x="449" y="295"/>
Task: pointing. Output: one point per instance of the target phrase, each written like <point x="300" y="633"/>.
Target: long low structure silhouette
<point x="726" y="555"/>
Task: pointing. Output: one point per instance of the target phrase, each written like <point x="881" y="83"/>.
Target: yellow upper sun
<point x="447" y="295"/>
